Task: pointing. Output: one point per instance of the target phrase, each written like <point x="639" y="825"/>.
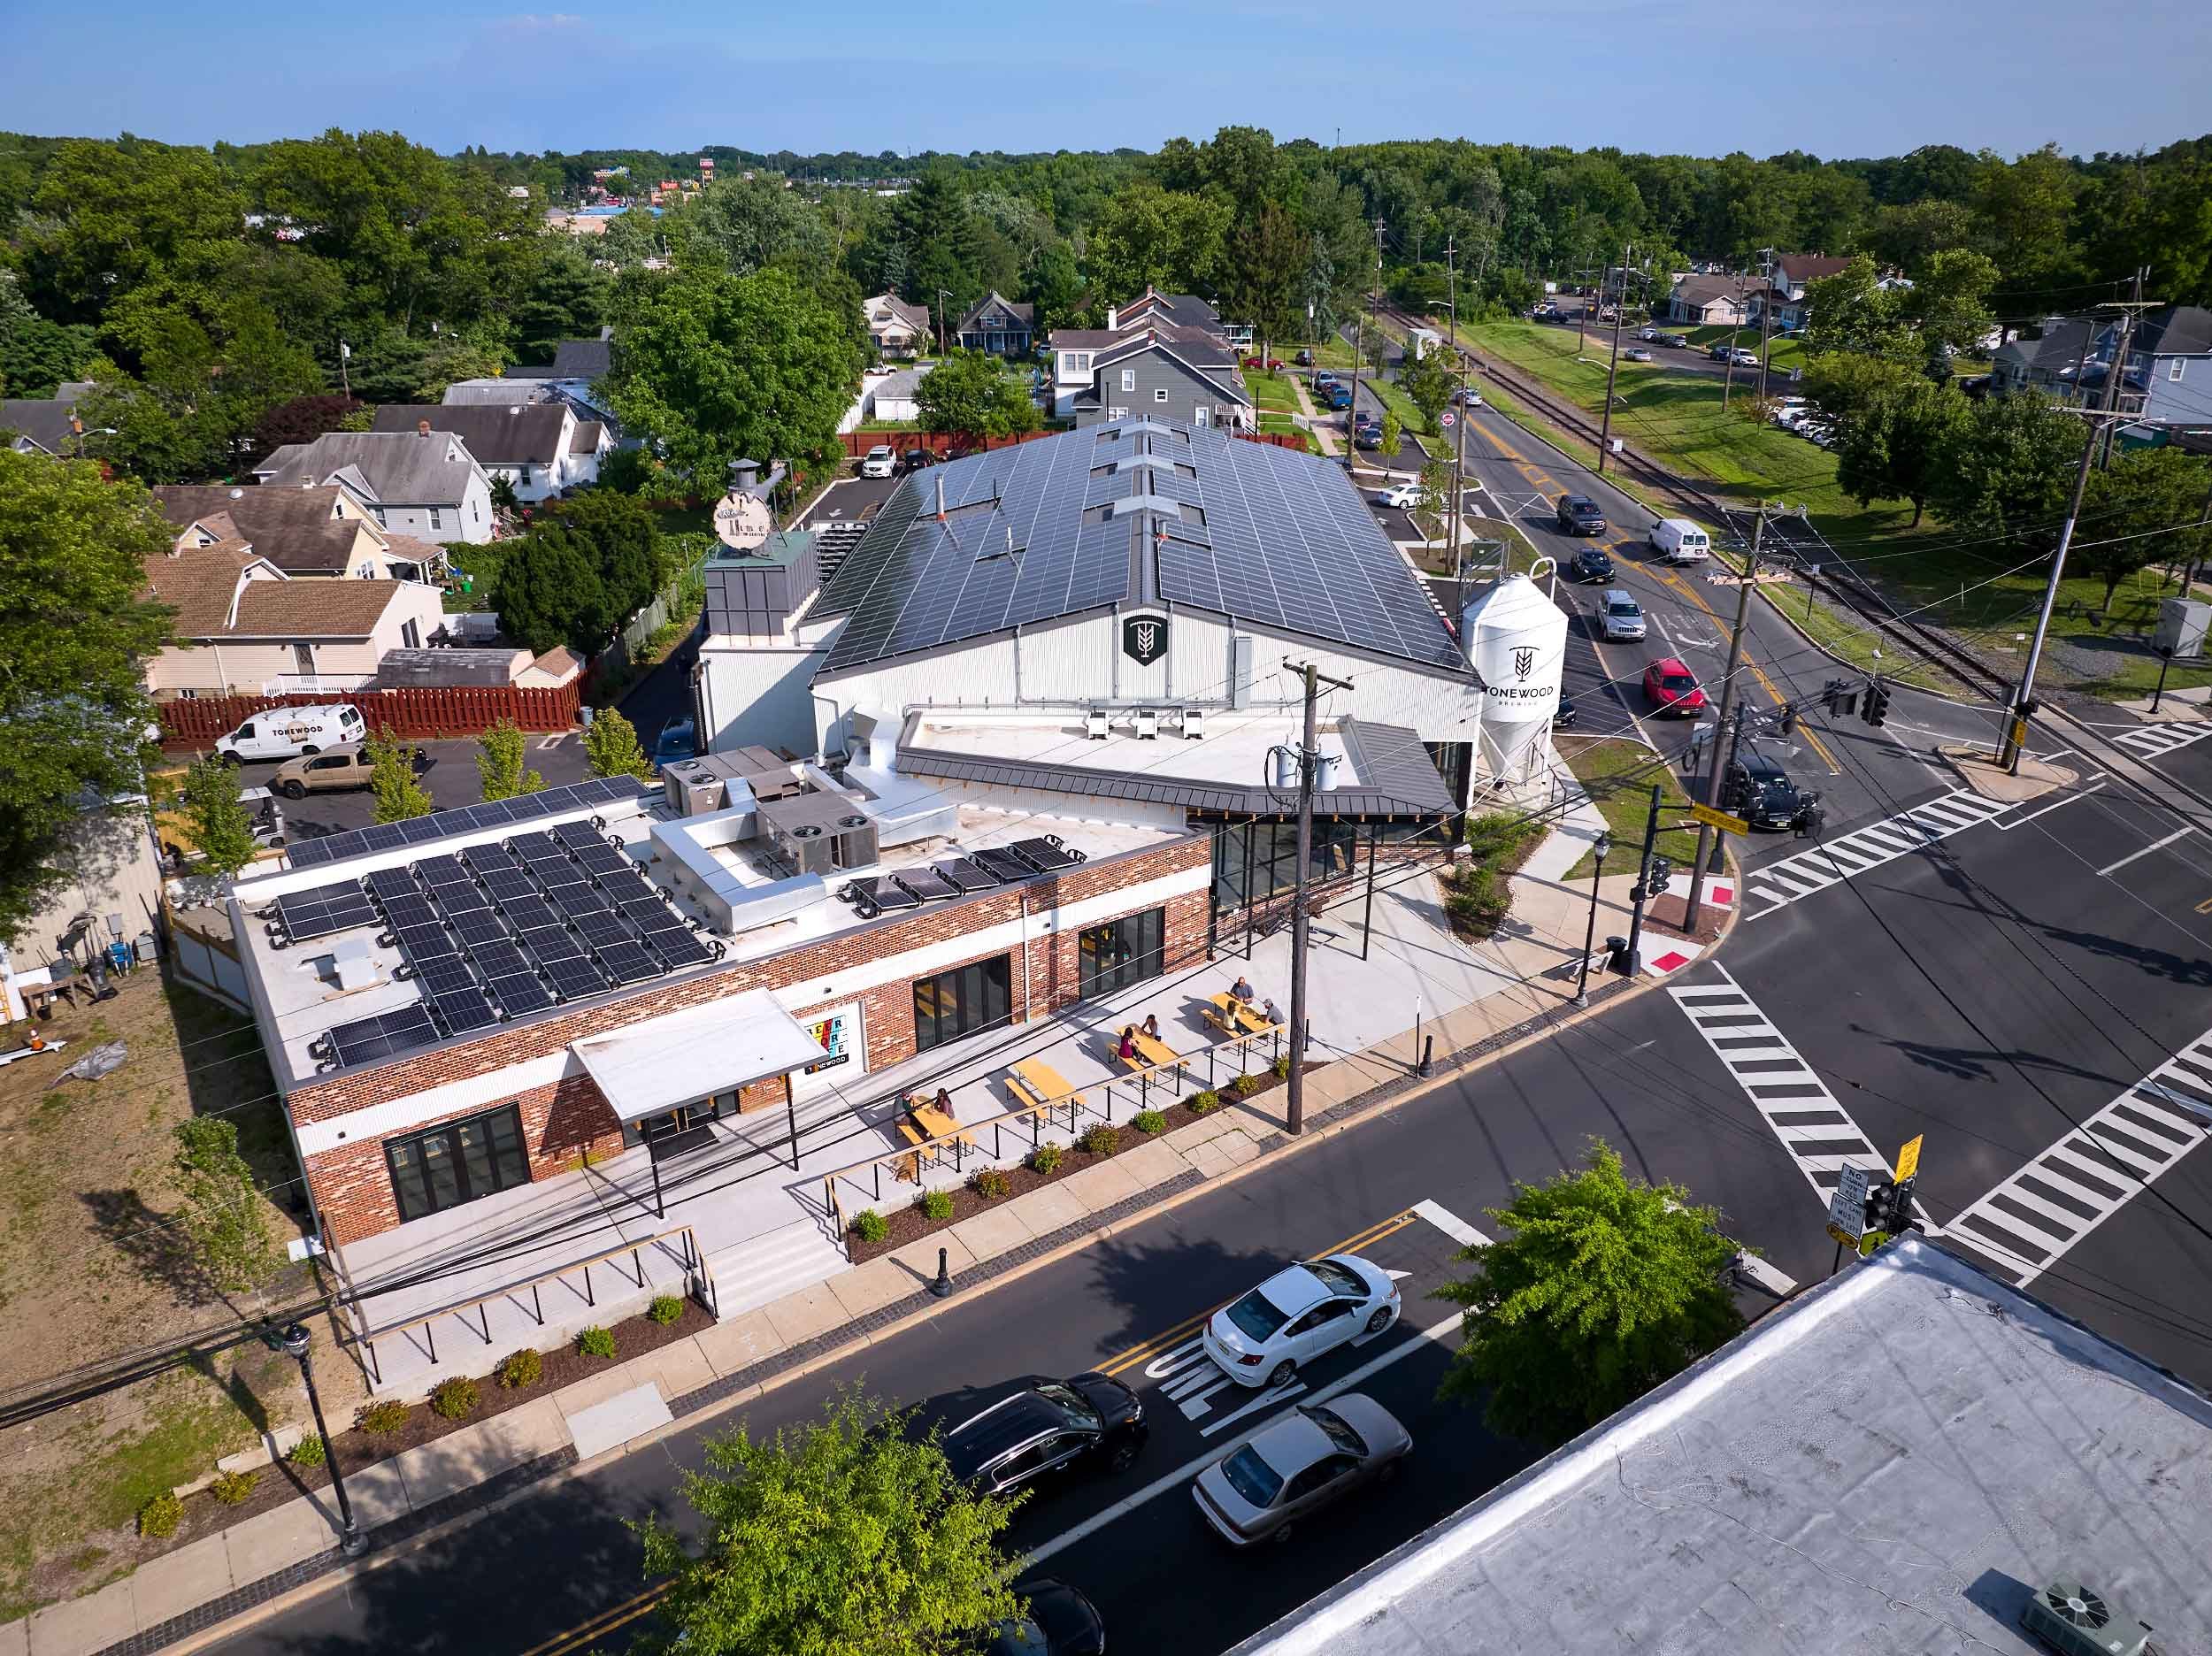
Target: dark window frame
<point x="964" y="1000"/>
<point x="1120" y="953"/>
<point x="503" y="1176"/>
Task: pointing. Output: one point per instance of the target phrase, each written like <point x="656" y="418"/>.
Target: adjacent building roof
<point x="519" y="434"/>
<point x="202" y="585"/>
<point x="1703" y="290"/>
<point x="2176" y="331"/>
<point x="916" y="317"/>
<point x="1810" y="267"/>
<point x="297" y="529"/>
<point x="588" y="437"/>
<point x="1892" y="1461"/>
<point x="1022" y="313"/>
<point x="1077" y="522"/>
<point x="900" y="385"/>
<point x="416" y="668"/>
<point x="1194" y="347"/>
<point x="516" y="384"/>
<point x="1182" y="310"/>
<point x="49" y="422"/>
<point x="582" y="359"/>
<point x="391" y="468"/>
<point x="2060" y="348"/>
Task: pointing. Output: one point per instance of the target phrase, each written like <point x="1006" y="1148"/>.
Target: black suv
<point x="1579" y="514"/>
<point x="1034" y="1430"/>
<point x="912" y="460"/>
<point x="1761" y="793"/>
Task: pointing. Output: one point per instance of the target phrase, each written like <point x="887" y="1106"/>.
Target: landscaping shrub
<point x="457" y="1398"/>
<point x="665" y="1308"/>
<point x="381" y="1420"/>
<point x="935" y="1204"/>
<point x="517" y="1369"/>
<point x="1101" y="1139"/>
<point x="308" y="1452"/>
<point x="1248" y="1084"/>
<point x="870" y="1226"/>
<point x="1205" y="1102"/>
<point x="1281" y="1066"/>
<point x="991" y="1184"/>
<point x="159" y="1517"/>
<point x="596" y="1342"/>
<point x="1149" y="1121"/>
<point x="1045" y="1159"/>
<point x="232" y="1488"/>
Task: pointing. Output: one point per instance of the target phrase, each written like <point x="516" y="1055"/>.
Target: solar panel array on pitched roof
<point x="1285" y="541"/>
<point x="468" y="818"/>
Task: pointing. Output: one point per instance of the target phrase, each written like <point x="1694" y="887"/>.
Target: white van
<point x="288" y="732"/>
<point x="1679" y="540"/>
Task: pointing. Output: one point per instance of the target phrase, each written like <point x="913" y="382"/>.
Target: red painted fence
<point x="440" y="711"/>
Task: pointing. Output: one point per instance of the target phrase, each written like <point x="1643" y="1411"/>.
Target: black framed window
<point x="1121" y="952"/>
<point x="683" y="1118"/>
<point x="1254" y="861"/>
<point x="962" y="1001"/>
<point x="457" y="1162"/>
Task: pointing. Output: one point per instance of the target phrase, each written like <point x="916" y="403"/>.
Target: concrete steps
<point x="772" y="1264"/>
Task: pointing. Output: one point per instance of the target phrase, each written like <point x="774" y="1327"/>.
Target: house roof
<point x="519" y="433"/>
<point x="900" y="385"/>
<point x="1703" y="290"/>
<point x="199" y="583"/>
<point x="46" y="421"/>
<point x="297" y="529"/>
<point x="314" y="609"/>
<point x="582" y="359"/>
<point x="1023" y="313"/>
<point x="391" y="468"/>
<point x="2176" y="331"/>
<point x="1077" y="522"/>
<point x="1182" y="310"/>
<point x="1806" y="268"/>
<point x="1194" y="346"/>
<point x="2059" y="347"/>
<point x="914" y="316"/>
<point x="1894" y="1460"/>
<point x="586" y="437"/>
<point x="516" y="384"/>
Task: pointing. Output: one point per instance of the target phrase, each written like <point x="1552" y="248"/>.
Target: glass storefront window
<point x="457" y="1162"/>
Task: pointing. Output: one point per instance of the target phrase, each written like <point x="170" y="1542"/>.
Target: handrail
<point x="695" y="1261"/>
<point x="959" y="1142"/>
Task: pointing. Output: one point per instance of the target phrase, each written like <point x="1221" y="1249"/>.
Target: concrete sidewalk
<point x="1532" y="968"/>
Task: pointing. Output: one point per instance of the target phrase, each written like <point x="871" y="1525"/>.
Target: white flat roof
<point x="1233" y="749"/>
<point x="1891" y="1462"/>
<point x="648" y="1068"/>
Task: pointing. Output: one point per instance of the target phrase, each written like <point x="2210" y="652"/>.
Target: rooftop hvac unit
<point x="2078" y="1621"/>
<point x="807" y="848"/>
<point x="694" y="788"/>
<point x="855" y="841"/>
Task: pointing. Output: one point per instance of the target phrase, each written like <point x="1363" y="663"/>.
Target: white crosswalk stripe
<point x="2154" y="742"/>
<point x="1816" y="1130"/>
<point x="1780" y="884"/>
<point x="2030" y="1221"/>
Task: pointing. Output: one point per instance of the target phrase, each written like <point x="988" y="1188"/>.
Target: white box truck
<point x="1679" y="540"/>
<point x="288" y="732"/>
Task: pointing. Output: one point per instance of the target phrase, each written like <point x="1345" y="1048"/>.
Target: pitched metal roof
<point x="1229" y="798"/>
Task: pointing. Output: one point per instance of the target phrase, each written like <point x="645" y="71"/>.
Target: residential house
<point x="1152" y="307"/>
<point x="538" y="448"/>
<point x="427" y="485"/>
<point x="897" y="328"/>
<point x="2048" y="362"/>
<point x="894" y="398"/>
<point x="1703" y="300"/>
<point x="2167" y="383"/>
<point x="1180" y="374"/>
<point x="1774" y="310"/>
<point x="998" y="327"/>
<point x="46" y="426"/>
<point x="317" y="531"/>
<point x="1793" y="270"/>
<point x="244" y="627"/>
<point x="1181" y="319"/>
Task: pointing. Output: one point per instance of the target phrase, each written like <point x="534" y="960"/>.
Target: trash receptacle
<point x="1616" y="955"/>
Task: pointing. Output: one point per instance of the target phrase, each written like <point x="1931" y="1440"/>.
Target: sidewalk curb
<point x="314" y="1577"/>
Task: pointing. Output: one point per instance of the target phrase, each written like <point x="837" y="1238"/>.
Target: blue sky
<point x="1869" y="77"/>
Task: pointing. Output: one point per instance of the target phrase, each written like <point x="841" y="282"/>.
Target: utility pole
<point x="1766" y="318"/>
<point x="1300" y="914"/>
<point x="1613" y="363"/>
<point x="1459" y="472"/>
<point x="345" y="360"/>
<point x="1451" y="292"/>
<point x="1359" y="349"/>
<point x="942" y="295"/>
<point x="2119" y="367"/>
<point x="1692" y="910"/>
<point x="2024" y="704"/>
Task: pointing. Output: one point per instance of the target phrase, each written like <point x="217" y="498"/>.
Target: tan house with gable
<point x="244" y="627"/>
<point x="307" y="532"/>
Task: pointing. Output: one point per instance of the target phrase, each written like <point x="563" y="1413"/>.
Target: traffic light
<point x="1889" y="1209"/>
<point x="1842" y="701"/>
<point x="1876" y="702"/>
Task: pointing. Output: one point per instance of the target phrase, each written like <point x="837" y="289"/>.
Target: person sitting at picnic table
<point x="1241" y="990"/>
<point x="1271" y="1012"/>
<point x="1152" y="1025"/>
<point x="943" y="1101"/>
<point x="1128" y="1047"/>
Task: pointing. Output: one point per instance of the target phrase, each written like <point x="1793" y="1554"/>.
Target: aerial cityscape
<point x="1164" y="834"/>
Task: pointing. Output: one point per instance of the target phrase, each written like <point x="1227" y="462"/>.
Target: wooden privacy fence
<point x="858" y="442"/>
<point x="436" y="711"/>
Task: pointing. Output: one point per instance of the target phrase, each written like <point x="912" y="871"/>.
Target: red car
<point x="1274" y="363"/>
<point x="1673" y="688"/>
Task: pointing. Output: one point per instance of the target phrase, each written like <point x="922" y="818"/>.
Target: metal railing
<point x="317" y="684"/>
<point x="1137" y="1081"/>
<point x="694" y="1264"/>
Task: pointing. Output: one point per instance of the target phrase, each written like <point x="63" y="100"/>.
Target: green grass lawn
<point x="1784" y="352"/>
<point x="1618" y="776"/>
<point x="1272" y="393"/>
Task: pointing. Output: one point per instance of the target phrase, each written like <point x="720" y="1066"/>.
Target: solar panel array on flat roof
<point x="383" y="1035"/>
<point x="468" y="820"/>
<point x="1276" y="537"/>
<point x="326" y="909"/>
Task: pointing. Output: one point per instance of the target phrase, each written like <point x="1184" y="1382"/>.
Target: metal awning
<point x="648" y="1068"/>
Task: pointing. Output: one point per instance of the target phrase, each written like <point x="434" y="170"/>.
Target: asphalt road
<point x="563" y="1556"/>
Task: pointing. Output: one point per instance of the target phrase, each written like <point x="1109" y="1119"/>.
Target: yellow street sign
<point x="1719" y="820"/>
<point x="1908" y="1158"/>
<point x="1843" y="1236"/>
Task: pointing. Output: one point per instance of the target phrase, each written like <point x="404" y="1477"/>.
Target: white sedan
<point x="1402" y="495"/>
<point x="1302" y="1312"/>
<point x="878" y="462"/>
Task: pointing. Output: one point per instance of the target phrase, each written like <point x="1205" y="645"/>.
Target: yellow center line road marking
<point x="602" y="1624"/>
<point x="1189" y="1325"/>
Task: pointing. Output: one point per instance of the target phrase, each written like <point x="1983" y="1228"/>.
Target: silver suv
<point x="1619" y="617"/>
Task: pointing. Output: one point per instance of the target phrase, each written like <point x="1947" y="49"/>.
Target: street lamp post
<point x="293" y="1340"/>
<point x="1590" y="935"/>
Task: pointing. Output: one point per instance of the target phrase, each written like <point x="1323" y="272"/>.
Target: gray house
<point x="425" y="484"/>
<point x="2167" y="380"/>
<point x="2049" y="362"/>
<point x="998" y="327"/>
<point x="1180" y="374"/>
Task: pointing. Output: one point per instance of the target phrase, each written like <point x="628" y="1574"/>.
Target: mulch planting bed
<point x="1666" y="914"/>
<point x="357" y="1449"/>
<point x="901" y="1212"/>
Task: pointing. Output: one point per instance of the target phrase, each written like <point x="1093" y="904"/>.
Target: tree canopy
<point x="975" y="396"/>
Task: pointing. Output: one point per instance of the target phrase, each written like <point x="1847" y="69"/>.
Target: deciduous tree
<point x="215" y="815"/>
<point x="2146" y="506"/>
<point x="839" y="1537"/>
<point x="2008" y="470"/>
<point x="392" y="783"/>
<point x="548" y="592"/>
<point x="610" y="746"/>
<point x="222" y="1215"/>
<point x="501" y="763"/>
<point x="1602" y="1287"/>
<point x="1149" y="237"/>
<point x="974" y="395"/>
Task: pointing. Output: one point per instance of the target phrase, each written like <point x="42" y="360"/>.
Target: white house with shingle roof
<point x="423" y="483"/>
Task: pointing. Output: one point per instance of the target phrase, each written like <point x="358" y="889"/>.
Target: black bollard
<point x="942" y="1286"/>
<point x="1428" y="1050"/>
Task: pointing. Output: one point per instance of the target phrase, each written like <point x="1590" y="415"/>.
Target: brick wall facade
<point x="564" y="1119"/>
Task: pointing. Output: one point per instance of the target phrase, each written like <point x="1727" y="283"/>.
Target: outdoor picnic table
<point x="921" y="1122"/>
<point x="1152" y="1052"/>
<point x="1237" y="1018"/>
<point x="1037" y="1084"/>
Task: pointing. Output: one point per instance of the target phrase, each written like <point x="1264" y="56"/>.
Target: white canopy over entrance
<point x="648" y="1068"/>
